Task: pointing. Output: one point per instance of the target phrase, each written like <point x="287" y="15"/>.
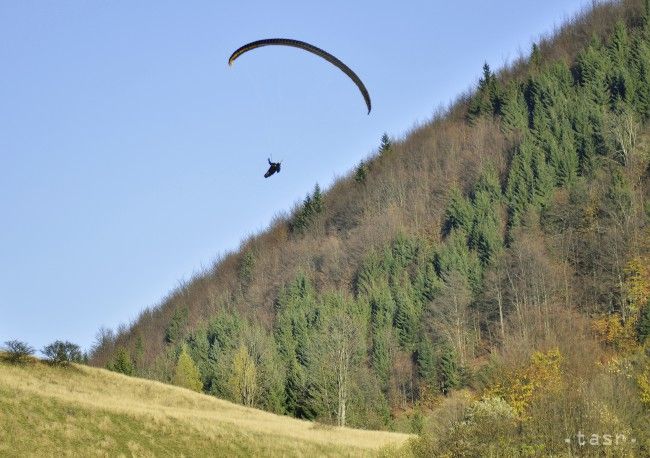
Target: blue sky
<point x="131" y="155"/>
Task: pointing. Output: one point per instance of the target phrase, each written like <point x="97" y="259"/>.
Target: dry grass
<point x="53" y="411"/>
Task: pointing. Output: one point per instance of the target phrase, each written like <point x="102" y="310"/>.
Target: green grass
<point x="83" y="411"/>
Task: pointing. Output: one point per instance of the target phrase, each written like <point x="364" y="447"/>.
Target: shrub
<point x="17" y="351"/>
<point x="62" y="353"/>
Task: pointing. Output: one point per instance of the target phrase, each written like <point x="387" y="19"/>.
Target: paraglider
<point x="274" y="167"/>
<point x="310" y="48"/>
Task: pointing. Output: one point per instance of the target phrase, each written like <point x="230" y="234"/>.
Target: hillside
<point x="49" y="411"/>
<point x="485" y="277"/>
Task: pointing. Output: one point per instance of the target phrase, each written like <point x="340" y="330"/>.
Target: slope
<point x="499" y="250"/>
<point x="49" y="411"/>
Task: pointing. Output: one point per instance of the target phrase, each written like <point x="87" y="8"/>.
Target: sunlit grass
<point x="78" y="410"/>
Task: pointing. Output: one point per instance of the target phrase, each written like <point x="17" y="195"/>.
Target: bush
<point x="62" y="353"/>
<point x="17" y="351"/>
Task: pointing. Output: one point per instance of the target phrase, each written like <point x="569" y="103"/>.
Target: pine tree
<point x="520" y="182"/>
<point x="386" y="145"/>
<point x="622" y="85"/>
<point x="317" y="200"/>
<point x="408" y="313"/>
<point x="380" y="356"/>
<point x="592" y="67"/>
<point x="426" y="361"/>
<point x="199" y="349"/>
<point x="535" y="57"/>
<point x="361" y="173"/>
<point x="641" y="73"/>
<point x="515" y="110"/>
<point x="122" y="362"/>
<point x="448" y="372"/>
<point x="427" y="282"/>
<point x="489" y="183"/>
<point x="488" y="98"/>
<point x="176" y="326"/>
<point x="485" y="237"/>
<point x="459" y="212"/>
<point x="456" y="256"/>
<point x="186" y="373"/>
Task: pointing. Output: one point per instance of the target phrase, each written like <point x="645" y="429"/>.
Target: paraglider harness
<point x="274" y="167"/>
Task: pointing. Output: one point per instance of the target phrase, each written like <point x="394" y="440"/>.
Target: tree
<point x="386" y="144"/>
<point x="17" y="352"/>
<point x="514" y="109"/>
<point x="122" y="362"/>
<point x="536" y="57"/>
<point x="448" y="372"/>
<point x="450" y="313"/>
<point x="243" y="381"/>
<point x="311" y="207"/>
<point x="624" y="129"/>
<point x="176" y="326"/>
<point x="485" y="236"/>
<point x="186" y="373"/>
<point x="407" y="313"/>
<point x="246" y="269"/>
<point x="488" y="98"/>
<point x="361" y="173"/>
<point x="643" y="324"/>
<point x="426" y="361"/>
<point x="459" y="212"/>
<point x="62" y="353"/>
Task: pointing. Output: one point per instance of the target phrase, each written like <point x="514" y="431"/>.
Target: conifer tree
<point x="408" y="313"/>
<point x="592" y="68"/>
<point x="514" y="110"/>
<point x="361" y="173"/>
<point x="459" y="212"/>
<point x="484" y="236"/>
<point x="426" y="361"/>
<point x="122" y="362"/>
<point x="427" y="281"/>
<point x="176" y="326"/>
<point x="385" y="145"/>
<point x="456" y="256"/>
<point x="535" y="57"/>
<point x="448" y="371"/>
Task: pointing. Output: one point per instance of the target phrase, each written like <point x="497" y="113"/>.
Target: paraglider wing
<point x="307" y="47"/>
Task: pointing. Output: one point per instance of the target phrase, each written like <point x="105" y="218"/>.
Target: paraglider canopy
<point x="310" y="48"/>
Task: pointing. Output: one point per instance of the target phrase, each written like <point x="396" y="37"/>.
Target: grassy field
<point x="82" y="411"/>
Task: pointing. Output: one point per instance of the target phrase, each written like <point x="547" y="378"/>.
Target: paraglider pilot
<point x="274" y="167"/>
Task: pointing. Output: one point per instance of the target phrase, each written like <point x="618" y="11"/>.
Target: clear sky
<point x="131" y="155"/>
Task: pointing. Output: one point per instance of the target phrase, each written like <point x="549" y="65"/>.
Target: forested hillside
<point x="484" y="281"/>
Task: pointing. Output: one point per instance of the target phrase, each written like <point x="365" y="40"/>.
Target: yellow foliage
<point x="637" y="282"/>
<point x="643" y="381"/>
<point x="542" y="374"/>
<point x="187" y="374"/>
<point x="243" y="379"/>
<point x="612" y="331"/>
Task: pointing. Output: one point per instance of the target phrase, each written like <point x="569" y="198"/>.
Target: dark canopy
<point x="307" y="47"/>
